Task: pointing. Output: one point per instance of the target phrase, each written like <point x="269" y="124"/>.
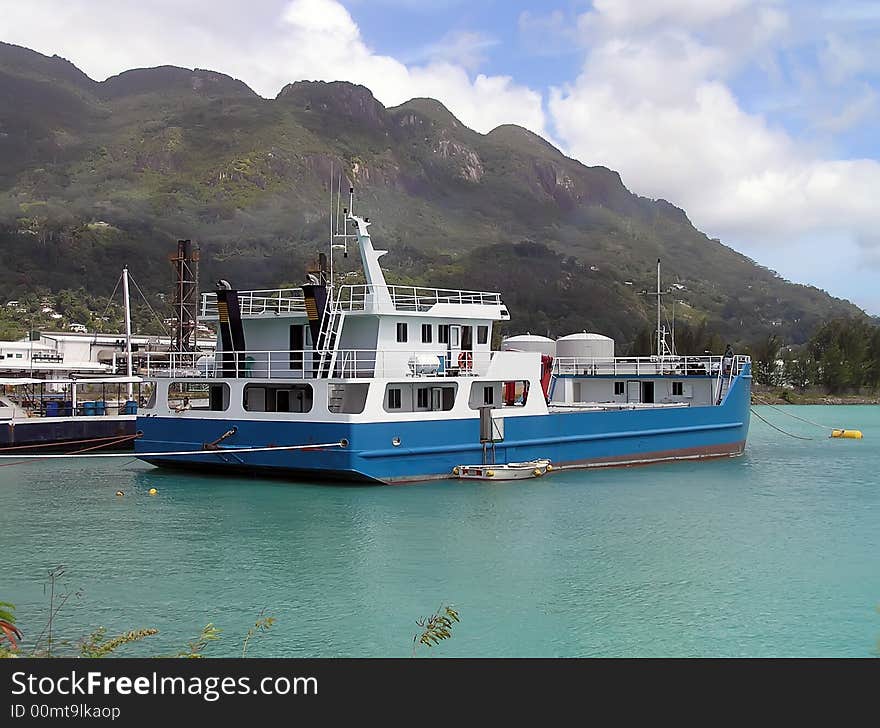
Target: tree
<point x="764" y="354"/>
<point x="799" y="369"/>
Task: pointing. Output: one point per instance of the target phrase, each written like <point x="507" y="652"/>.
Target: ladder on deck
<point x="328" y="337"/>
<point x="723" y="386"/>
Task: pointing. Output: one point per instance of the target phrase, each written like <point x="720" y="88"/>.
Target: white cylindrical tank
<point x="528" y="342"/>
<point x="585" y="346"/>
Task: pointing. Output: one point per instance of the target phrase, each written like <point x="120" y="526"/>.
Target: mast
<point x="660" y="346"/>
<point x="127" y="330"/>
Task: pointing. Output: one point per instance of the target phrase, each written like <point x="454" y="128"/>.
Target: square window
<point x="402" y="332"/>
<point x="427" y="331"/>
<point x="488" y="395"/>
<point x="482" y="334"/>
<point x="422" y="397"/>
<point x="618" y="388"/>
<point x="677" y="388"/>
<point x="393" y="399"/>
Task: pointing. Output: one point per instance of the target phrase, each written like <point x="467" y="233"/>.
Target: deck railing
<point x="678" y="366"/>
<point x="256" y="303"/>
<point x="350" y="298"/>
<point x="305" y="364"/>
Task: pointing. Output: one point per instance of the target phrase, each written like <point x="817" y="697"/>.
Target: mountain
<point x="97" y="174"/>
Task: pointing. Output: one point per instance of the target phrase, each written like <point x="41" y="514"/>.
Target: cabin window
<point x="427" y="333"/>
<point x="443" y="334"/>
<point x="454" y="334"/>
<point x="486" y="394"/>
<point x="408" y="397"/>
<point x="394" y="398"/>
<point x="198" y="396"/>
<point x="516" y="393"/>
<point x="278" y="398"/>
<point x="677" y="389"/>
<point x="467" y="337"/>
<point x="402" y="332"/>
<point x="422" y="397"/>
<point x="151" y="402"/>
<point x="297" y="344"/>
<point x="347" y="399"/>
<point x="619" y="388"/>
<point x="482" y="334"/>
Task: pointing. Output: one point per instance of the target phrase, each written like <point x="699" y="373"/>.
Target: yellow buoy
<point x="549" y="467"/>
<point x="490" y="473"/>
<point x="848" y="434"/>
<point x="153" y="491"/>
<point x="536" y="471"/>
<point x="119" y="492"/>
<point x="455" y="470"/>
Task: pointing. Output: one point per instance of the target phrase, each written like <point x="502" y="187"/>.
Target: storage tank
<point x="585" y="346"/>
<point x="528" y="342"/>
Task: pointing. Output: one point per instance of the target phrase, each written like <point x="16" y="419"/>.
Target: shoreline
<point x="778" y="395"/>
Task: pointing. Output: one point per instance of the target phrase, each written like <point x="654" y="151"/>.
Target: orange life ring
<point x="465" y="360"/>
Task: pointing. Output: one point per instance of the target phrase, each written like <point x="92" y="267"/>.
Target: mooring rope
<point x="779" y="429"/>
<point x="218" y="451"/>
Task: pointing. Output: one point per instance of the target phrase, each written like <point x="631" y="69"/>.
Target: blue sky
<point x="757" y="117"/>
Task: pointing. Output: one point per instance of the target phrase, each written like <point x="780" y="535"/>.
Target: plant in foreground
<point x="263" y="624"/>
<point x="8" y="630"/>
<point x="435" y="627"/>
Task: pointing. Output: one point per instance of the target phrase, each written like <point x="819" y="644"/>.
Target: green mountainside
<point x="94" y="175"/>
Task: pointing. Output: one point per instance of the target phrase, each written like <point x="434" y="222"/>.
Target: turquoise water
<point x="771" y="554"/>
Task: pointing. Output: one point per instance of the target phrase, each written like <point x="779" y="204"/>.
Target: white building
<point x="65" y="353"/>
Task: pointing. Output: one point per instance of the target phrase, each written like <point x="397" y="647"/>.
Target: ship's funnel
<point x="231" y="331"/>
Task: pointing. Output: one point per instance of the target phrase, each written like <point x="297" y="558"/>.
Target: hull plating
<point x="430" y="449"/>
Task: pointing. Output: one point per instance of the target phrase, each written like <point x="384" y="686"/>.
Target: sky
<point x="757" y="117"/>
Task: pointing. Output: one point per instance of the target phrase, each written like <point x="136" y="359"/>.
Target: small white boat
<point x="510" y="471"/>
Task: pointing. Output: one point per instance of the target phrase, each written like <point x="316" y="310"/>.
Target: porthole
<point x="396" y="442"/>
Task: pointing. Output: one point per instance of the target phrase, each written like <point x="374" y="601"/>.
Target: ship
<point x="387" y="384"/>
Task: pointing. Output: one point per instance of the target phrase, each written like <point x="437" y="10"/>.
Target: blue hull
<point x="430" y="449"/>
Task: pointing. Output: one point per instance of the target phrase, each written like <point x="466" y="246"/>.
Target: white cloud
<point x="461" y="47"/>
<point x="265" y="43"/>
<point x="657" y="106"/>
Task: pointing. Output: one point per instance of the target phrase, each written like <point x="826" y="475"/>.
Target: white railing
<point x="350" y="298"/>
<point x="255" y="303"/>
<point x="412" y="298"/>
<point x="350" y="363"/>
<point x="644" y="366"/>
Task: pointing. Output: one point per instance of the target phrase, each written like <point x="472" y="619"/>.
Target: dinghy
<point x="510" y="471"/>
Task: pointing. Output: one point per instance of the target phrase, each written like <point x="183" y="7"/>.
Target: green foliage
<point x="847" y="355"/>
<point x="196" y="647"/>
<point x="262" y="625"/>
<point x="97" y="644"/>
<point x="765" y="354"/>
<point x="799" y="369"/>
<point x="435" y="627"/>
<point x="8" y="631"/>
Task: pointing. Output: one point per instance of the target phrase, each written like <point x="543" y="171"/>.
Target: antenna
<point x="662" y="347"/>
